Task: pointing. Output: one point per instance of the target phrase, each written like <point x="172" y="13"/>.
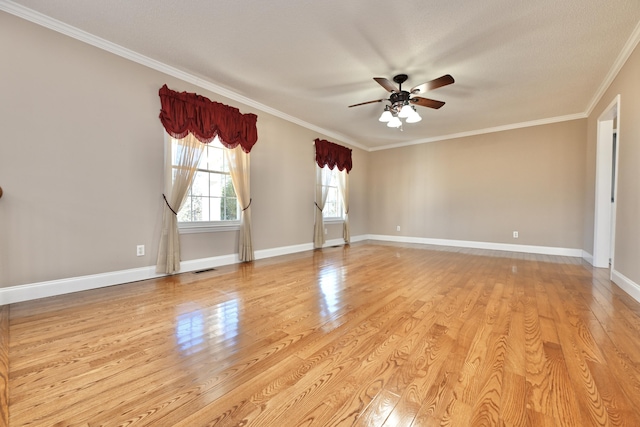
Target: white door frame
<point x="605" y="212"/>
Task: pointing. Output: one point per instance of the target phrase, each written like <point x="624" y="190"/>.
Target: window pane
<point x="230" y="209"/>
<point x="211" y="196"/>
<point x="204" y="159"/>
<point x="198" y="209"/>
<point x="334" y="178"/>
<point x="200" y="185"/>
<point x="228" y="190"/>
<point x="330" y="207"/>
<point x="216" y="157"/>
<point x="176" y="152"/>
<point x="216" y="143"/>
<point x="333" y="205"/>
<point x="184" y="214"/>
<point x="216" y="204"/>
<point x="216" y="181"/>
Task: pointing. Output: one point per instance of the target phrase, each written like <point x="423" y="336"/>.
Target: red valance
<point x="183" y="112"/>
<point x="330" y="154"/>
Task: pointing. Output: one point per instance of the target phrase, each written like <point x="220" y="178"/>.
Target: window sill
<point x="332" y="220"/>
<point x="208" y="227"/>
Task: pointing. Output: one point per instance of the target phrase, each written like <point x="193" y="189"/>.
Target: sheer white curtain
<point x="343" y="185"/>
<point x="239" y="170"/>
<point x="185" y="154"/>
<point x="323" y="178"/>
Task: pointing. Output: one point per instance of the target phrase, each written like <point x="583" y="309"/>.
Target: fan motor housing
<point x="401" y="96"/>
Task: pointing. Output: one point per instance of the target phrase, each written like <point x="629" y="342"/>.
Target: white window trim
<point x="207" y="226"/>
<point x="333" y="220"/>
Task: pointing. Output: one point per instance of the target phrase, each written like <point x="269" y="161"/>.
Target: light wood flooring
<point x="367" y="335"/>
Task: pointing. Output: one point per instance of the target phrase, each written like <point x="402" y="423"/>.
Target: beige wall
<point x="81" y="157"/>
<point x="81" y="169"/>
<point x="627" y="240"/>
<point x="484" y="187"/>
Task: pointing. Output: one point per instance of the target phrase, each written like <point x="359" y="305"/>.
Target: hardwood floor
<point x="4" y="365"/>
<point x="367" y="335"/>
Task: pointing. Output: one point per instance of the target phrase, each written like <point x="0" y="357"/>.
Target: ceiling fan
<point x="401" y="101"/>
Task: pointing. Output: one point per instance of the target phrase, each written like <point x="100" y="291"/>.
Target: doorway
<point x="607" y="149"/>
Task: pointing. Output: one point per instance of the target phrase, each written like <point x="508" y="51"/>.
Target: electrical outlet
<point x="325" y="230"/>
<point x="140" y="250"/>
<point x="397" y="228"/>
<point x="515" y="234"/>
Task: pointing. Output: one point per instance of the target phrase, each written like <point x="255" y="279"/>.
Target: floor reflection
<point x="201" y="328"/>
<point x="190" y="330"/>
<point x="330" y="281"/>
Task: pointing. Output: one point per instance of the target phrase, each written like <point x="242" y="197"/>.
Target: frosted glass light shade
<point x="386" y="116"/>
<point x="414" y="118"/>
<point x="405" y="111"/>
<point x="394" y="122"/>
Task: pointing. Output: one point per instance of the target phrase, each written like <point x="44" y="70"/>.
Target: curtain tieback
<point x="317" y="206"/>
<point x="168" y="205"/>
<point x="250" y="200"/>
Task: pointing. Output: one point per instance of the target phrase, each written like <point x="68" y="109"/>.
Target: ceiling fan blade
<point x="426" y="102"/>
<point x="433" y="84"/>
<point x="368" y="102"/>
<point x="386" y="84"/>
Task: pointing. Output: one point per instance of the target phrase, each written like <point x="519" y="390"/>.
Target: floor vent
<point x="204" y="271"/>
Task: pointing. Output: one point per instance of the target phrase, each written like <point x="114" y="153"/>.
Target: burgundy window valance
<point x="331" y="154"/>
<point x="184" y="112"/>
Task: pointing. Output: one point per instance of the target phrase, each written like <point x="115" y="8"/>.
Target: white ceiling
<point x="513" y="61"/>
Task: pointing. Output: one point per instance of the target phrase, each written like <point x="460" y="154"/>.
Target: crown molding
<point x="624" y="54"/>
<point x="486" y="130"/>
<point x="83" y="36"/>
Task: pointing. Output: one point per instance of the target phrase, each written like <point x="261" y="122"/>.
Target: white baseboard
<point x="205" y="263"/>
<point x="51" y="288"/>
<point x="283" y="250"/>
<point x="544" y="250"/>
<point x="626" y="284"/>
<point x="286" y="250"/>
<point x="33" y="291"/>
<point x="74" y="284"/>
<point x="587" y="257"/>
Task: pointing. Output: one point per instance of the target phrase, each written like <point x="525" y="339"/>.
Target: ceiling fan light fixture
<point x="400" y="100"/>
<point x="406" y="111"/>
<point x="386" y="115"/>
<point x="394" y="122"/>
<point x="414" y="117"/>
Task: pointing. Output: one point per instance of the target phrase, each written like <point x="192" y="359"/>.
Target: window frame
<point x="339" y="218"/>
<point x="193" y="227"/>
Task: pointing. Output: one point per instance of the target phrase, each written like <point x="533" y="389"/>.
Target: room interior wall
<point x="81" y="168"/>
<point x="627" y="238"/>
<point x="482" y="188"/>
<point x="81" y="164"/>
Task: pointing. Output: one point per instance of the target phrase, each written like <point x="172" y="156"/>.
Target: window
<point x="211" y="200"/>
<point x="333" y="206"/>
